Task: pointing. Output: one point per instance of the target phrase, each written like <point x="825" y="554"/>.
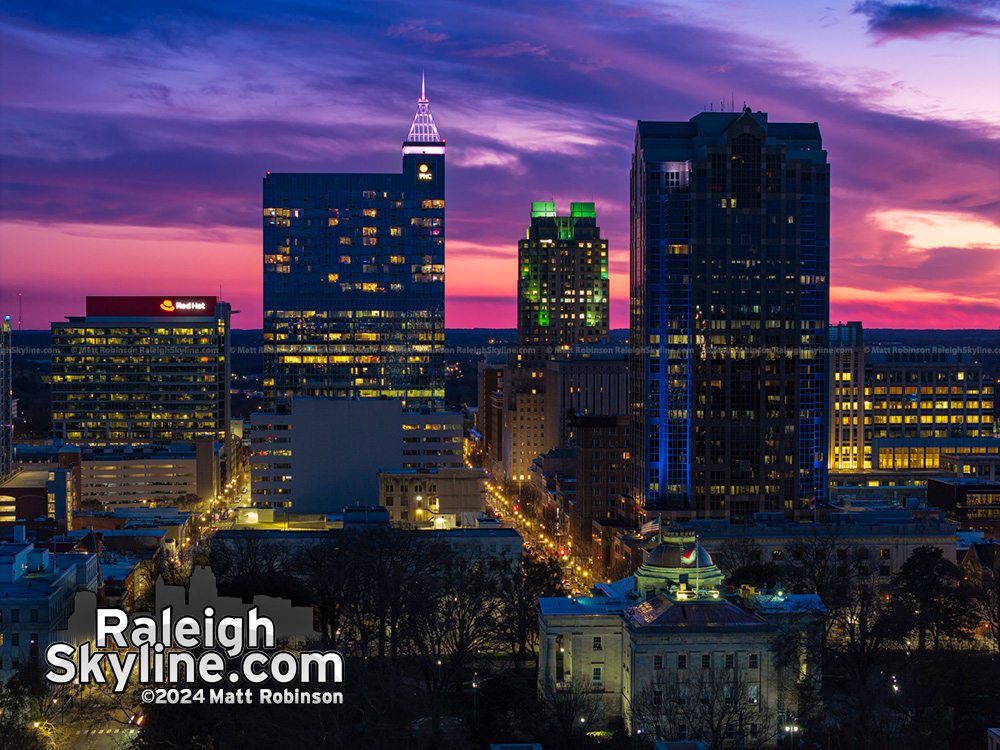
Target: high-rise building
<point x="847" y="391"/>
<point x="6" y="401"/>
<point x="562" y="287"/>
<point x="729" y="315"/>
<point x="354" y="279"/>
<point x="562" y="310"/>
<point x="138" y="370"/>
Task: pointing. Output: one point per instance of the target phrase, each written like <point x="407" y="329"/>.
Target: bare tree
<point x="456" y="622"/>
<point x="983" y="582"/>
<point x="722" y="707"/>
<point x="738" y="552"/>
<point x="249" y="565"/>
<point x="328" y="572"/>
<point x="161" y="565"/>
<point x="824" y="563"/>
<point x="572" y="709"/>
<point x="517" y="622"/>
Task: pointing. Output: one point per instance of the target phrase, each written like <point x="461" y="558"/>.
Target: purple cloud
<point x="887" y="21"/>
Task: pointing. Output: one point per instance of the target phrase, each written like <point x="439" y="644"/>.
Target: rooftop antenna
<point x="423" y="86"/>
<point x="722" y="105"/>
<point x="732" y="101"/>
<point x="19" y="310"/>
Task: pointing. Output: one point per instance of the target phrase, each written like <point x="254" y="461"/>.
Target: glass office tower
<point x="562" y="287"/>
<point x="730" y="251"/>
<point x="354" y="279"/>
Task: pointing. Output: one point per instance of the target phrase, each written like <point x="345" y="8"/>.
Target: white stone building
<point x="670" y="654"/>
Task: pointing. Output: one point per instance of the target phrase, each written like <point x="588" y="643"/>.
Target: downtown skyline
<point x="137" y="140"/>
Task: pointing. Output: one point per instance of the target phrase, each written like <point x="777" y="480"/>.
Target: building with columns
<point x="664" y="648"/>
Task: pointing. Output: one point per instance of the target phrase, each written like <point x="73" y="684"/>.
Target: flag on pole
<point x="650" y="527"/>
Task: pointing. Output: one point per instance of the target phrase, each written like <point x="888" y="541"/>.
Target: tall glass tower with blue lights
<point x="354" y="279"/>
<point x="730" y="256"/>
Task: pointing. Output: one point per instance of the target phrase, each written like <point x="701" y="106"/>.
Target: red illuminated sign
<point x="150" y="307"/>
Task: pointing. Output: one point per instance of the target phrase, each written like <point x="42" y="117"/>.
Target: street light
<point x="790" y="730"/>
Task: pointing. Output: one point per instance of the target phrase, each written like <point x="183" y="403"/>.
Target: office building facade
<point x="323" y="455"/>
<point x="354" y="279"/>
<point x="142" y="370"/>
<point x="729" y="315"/>
<point x="847" y="397"/>
<point x="562" y="286"/>
<point x="897" y="408"/>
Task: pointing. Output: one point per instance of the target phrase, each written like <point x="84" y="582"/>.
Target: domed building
<point x="678" y="564"/>
<point x="655" y="646"/>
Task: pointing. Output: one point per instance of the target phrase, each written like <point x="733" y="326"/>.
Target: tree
<point x="824" y="563"/>
<point x="508" y="705"/>
<point x="738" y="552"/>
<point x="328" y="574"/>
<point x="14" y="712"/>
<point x="927" y="584"/>
<point x="572" y="709"/>
<point x="983" y="584"/>
<point x="517" y="624"/>
<point x="455" y="623"/>
<point x="161" y="565"/>
<point x="860" y="631"/>
<point x="721" y="707"/>
<point x="249" y="565"/>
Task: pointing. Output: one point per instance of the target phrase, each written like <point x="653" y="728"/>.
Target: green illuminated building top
<point x="563" y="278"/>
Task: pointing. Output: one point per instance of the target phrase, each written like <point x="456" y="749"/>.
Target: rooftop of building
<point x="119" y="570"/>
<point x="664" y="611"/>
<point x="25" y="479"/>
<point x="438" y="471"/>
<point x="51" y="449"/>
<point x="707" y="127"/>
<point x="967" y="482"/>
<point x="583" y="606"/>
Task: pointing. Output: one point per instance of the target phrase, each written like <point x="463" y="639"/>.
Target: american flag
<point x="650" y="527"/>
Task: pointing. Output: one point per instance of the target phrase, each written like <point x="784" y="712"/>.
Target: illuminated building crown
<point x="423" y="129"/>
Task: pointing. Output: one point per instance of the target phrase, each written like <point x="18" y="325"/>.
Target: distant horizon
<point x="613" y="330"/>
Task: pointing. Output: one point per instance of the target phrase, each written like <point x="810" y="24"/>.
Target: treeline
<point x="908" y="660"/>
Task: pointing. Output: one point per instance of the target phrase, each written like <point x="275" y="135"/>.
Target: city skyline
<point x="139" y="142"/>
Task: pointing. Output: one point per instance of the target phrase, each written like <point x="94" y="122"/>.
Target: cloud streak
<point x="164" y="118"/>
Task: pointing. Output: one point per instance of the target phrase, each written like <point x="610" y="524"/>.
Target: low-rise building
<point x="109" y="475"/>
<point x="37" y="590"/>
<point x="487" y="542"/>
<point x="444" y="498"/>
<point x="38" y="493"/>
<point x="971" y="501"/>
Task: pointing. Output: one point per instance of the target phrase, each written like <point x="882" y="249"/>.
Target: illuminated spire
<point x="423" y="129"/>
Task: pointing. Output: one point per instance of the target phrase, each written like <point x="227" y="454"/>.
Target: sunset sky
<point x="135" y="135"/>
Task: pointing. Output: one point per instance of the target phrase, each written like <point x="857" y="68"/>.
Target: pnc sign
<point x="424" y="172"/>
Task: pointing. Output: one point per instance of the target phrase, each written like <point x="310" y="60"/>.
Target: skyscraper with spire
<point x="354" y="279"/>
